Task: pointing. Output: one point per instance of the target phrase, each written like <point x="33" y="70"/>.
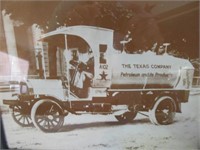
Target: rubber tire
<point x="37" y="109"/>
<point x="168" y="118"/>
<point x="126" y="117"/>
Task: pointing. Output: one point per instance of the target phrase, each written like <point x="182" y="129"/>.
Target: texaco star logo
<point x="103" y="75"/>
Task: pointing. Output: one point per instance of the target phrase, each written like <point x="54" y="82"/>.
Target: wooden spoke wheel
<point x="126" y="117"/>
<point x="47" y="116"/>
<point x="22" y="116"/>
<point x="163" y="111"/>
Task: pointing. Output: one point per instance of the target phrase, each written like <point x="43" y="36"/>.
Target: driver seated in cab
<point x="81" y="78"/>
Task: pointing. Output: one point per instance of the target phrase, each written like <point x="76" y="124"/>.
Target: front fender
<point x="10" y="102"/>
<point x="64" y="105"/>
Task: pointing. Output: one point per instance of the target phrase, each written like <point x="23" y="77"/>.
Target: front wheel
<point x="126" y="117"/>
<point x="163" y="111"/>
<point x="47" y="116"/>
<point x="21" y="115"/>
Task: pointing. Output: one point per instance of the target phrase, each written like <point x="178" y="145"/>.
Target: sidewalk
<point x="195" y="91"/>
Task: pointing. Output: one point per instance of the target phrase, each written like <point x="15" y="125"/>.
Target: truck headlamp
<point x="23" y="88"/>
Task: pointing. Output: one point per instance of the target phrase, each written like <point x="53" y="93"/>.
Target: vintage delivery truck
<point x="107" y="81"/>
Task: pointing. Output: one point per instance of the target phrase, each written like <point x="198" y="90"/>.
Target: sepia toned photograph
<point x="99" y="75"/>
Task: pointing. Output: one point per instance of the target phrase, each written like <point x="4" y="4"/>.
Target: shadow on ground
<point x="71" y="127"/>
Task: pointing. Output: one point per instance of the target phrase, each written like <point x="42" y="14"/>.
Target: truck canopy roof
<point x="94" y="36"/>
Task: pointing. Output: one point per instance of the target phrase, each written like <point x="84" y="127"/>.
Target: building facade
<point x="42" y="48"/>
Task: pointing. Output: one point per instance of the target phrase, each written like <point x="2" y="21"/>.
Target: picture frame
<point x="99" y="74"/>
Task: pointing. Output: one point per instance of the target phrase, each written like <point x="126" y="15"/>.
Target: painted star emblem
<point x="103" y="75"/>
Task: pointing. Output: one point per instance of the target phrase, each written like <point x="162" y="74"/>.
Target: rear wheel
<point x="47" y="115"/>
<point x="126" y="117"/>
<point x="22" y="116"/>
<point x="163" y="111"/>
